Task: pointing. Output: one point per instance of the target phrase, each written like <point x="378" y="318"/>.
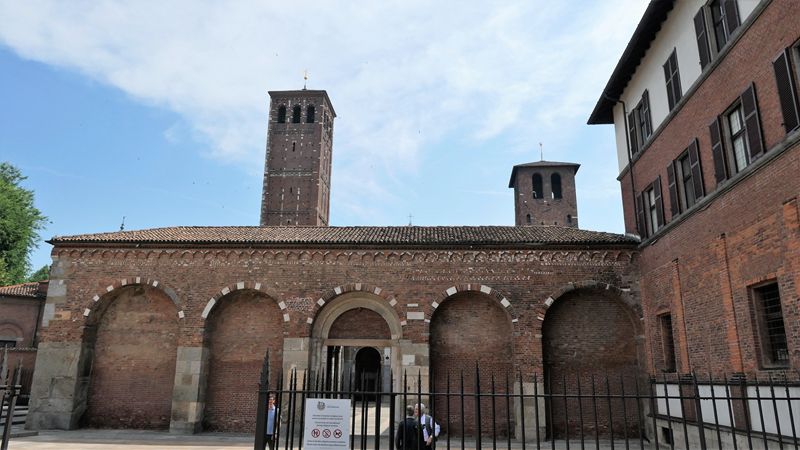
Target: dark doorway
<point x="368" y="368"/>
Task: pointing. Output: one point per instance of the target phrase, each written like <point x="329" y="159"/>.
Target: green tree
<point x="20" y="223"/>
<point x="40" y="275"/>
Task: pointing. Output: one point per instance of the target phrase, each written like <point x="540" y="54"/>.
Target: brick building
<point x="167" y="328"/>
<point x="704" y="102"/>
<point x="21" y="308"/>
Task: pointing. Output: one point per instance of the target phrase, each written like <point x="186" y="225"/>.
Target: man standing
<point x="271" y="417"/>
<point x="430" y="429"/>
<point x="409" y="434"/>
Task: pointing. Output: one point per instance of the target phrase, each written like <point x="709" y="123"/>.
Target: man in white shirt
<point x="430" y="429"/>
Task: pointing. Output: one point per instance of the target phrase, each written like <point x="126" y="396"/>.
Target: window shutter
<point x="673" y="190"/>
<point x="659" y="201"/>
<point x="717" y="152"/>
<point x="731" y="16"/>
<point x="702" y="38"/>
<point x="632" y="132"/>
<point x="787" y="91"/>
<point x="667" y="74"/>
<point x="751" y="122"/>
<point x="697" y="172"/>
<point x="646" y="115"/>
<point x="641" y="226"/>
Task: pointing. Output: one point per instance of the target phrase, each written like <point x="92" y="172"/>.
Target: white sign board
<point x="327" y="424"/>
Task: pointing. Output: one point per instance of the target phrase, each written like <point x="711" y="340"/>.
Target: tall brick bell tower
<point x="297" y="171"/>
<point x="544" y="194"/>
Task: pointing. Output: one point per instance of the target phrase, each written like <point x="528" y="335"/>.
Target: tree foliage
<point x="20" y="223"/>
<point x="40" y="275"/>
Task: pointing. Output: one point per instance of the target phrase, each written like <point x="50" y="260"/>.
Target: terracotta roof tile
<point x="20" y="290"/>
<point x="405" y="235"/>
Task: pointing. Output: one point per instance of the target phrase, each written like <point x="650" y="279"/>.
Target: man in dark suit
<point x="409" y="432"/>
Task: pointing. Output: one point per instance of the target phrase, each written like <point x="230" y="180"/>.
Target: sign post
<point x="327" y="424"/>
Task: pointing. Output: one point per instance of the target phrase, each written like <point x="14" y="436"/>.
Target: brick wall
<point x="408" y="281"/>
<point x="545" y="210"/>
<point x="134" y="361"/>
<point x="240" y="330"/>
<point x="588" y="334"/>
<point x="360" y="323"/>
<point x="470" y="329"/>
<point x="18" y="316"/>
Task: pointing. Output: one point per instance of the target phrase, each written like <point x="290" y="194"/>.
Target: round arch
<point x="357" y="299"/>
<point x="477" y="288"/>
<point x="100" y="300"/>
<point x="246" y="285"/>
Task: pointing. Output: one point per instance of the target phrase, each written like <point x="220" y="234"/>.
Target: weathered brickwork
<point x="701" y="267"/>
<point x="587" y="334"/>
<point x="133" y="367"/>
<point x="469" y="329"/>
<point x="236" y="303"/>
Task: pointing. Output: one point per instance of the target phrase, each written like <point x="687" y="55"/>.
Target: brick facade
<point x="701" y="267"/>
<point x="546" y="207"/>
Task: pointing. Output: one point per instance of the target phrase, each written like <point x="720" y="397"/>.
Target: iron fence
<point x="478" y="409"/>
<point x="10" y="388"/>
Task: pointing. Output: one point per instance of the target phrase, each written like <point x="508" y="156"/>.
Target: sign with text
<point x="327" y="424"/>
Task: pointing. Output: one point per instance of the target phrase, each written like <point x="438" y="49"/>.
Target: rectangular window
<point x="736" y="139"/>
<point x="667" y="343"/>
<point x="714" y="24"/>
<point x="640" y="127"/>
<point x="771" y="330"/>
<point x="685" y="179"/>
<point x="687" y="184"/>
<point x="7" y="343"/>
<point x="673" y="79"/>
<point x="650" y="209"/>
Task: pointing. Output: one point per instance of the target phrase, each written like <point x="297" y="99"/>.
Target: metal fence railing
<point x="478" y="409"/>
<point x="10" y="388"/>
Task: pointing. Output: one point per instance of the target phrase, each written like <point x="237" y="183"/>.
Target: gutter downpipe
<point x="628" y="152"/>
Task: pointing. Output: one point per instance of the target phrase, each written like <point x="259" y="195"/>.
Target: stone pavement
<point x="153" y="440"/>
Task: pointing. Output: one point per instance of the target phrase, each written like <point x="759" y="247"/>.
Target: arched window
<point x="569" y="219"/>
<point x="537" y="186"/>
<point x="528" y="218"/>
<point x="296" y="114"/>
<point x="310" y="114"/>
<point x="555" y="185"/>
<point x="282" y="114"/>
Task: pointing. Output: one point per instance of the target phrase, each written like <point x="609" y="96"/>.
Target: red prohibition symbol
<point x="326" y="433"/>
<point x="337" y="433"/>
<point x="315" y="433"/>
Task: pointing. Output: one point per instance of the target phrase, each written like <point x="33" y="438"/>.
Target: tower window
<point x="528" y="218"/>
<point x="296" y="114"/>
<point x="537" y="186"/>
<point x="555" y="185"/>
<point x="282" y="114"/>
<point x="310" y="114"/>
<point x="569" y="219"/>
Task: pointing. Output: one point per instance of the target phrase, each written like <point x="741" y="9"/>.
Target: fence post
<point x="12" y="402"/>
<point x="261" y="408"/>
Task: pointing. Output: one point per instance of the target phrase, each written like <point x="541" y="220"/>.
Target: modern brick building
<point x="167" y="328"/>
<point x="704" y="102"/>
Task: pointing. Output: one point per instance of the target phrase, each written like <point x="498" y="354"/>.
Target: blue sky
<point x="157" y="111"/>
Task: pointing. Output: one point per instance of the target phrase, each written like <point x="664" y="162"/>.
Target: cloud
<point x="402" y="75"/>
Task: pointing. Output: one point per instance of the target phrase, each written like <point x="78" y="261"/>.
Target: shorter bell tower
<point x="544" y="194"/>
<point x="297" y="170"/>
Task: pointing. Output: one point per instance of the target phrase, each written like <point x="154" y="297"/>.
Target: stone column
<point x="295" y="356"/>
<point x="58" y="394"/>
<point x="529" y="407"/>
<point x="189" y="390"/>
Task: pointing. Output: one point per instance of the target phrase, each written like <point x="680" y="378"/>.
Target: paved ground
<point x="152" y="440"/>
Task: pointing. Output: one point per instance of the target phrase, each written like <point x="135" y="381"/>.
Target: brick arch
<point x="356" y="298"/>
<point x="378" y="292"/>
<point x="132" y="281"/>
<point x="591" y="285"/>
<point x="492" y="293"/>
<point x="246" y="285"/>
<point x="12" y="327"/>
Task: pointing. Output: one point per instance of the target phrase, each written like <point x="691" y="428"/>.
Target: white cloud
<point x="401" y="74"/>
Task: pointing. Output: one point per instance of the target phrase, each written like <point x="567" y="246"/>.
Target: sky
<point x="156" y="112"/>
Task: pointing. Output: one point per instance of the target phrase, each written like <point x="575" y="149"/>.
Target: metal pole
<point x="261" y="408"/>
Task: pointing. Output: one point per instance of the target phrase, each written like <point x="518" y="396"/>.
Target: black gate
<point x="504" y="411"/>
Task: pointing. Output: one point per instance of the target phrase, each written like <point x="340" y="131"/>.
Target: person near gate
<point x="409" y="433"/>
<point x="272" y="417"/>
<point x="430" y="429"/>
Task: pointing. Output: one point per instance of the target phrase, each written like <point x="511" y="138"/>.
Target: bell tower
<point x="297" y="170"/>
<point x="544" y="194"/>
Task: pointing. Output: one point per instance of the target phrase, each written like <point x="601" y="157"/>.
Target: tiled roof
<point x="355" y="236"/>
<point x="20" y="290"/>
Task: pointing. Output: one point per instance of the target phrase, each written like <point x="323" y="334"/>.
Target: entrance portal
<point x="368" y="367"/>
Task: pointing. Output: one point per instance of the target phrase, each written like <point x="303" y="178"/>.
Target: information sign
<point x="327" y="424"/>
